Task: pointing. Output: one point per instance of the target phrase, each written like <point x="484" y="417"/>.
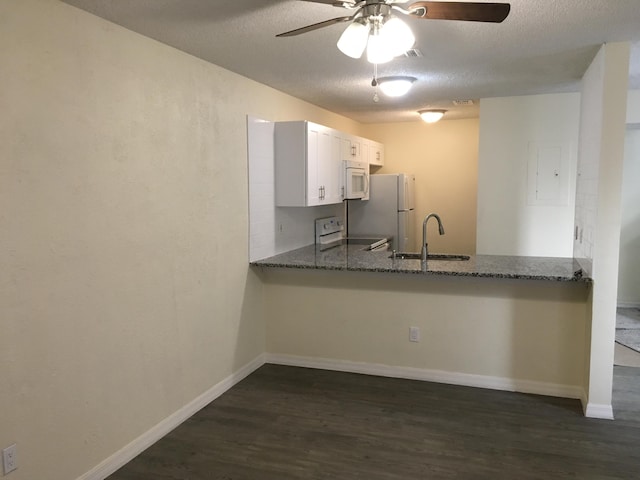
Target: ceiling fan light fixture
<point x="431" y="115"/>
<point x="378" y="50"/>
<point x="395" y="86"/>
<point x="353" y="40"/>
<point x="397" y="35"/>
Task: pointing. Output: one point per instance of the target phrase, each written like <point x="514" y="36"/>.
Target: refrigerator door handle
<point x="406" y="192"/>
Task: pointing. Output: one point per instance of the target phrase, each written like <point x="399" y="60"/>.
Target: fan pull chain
<point x="374" y="83"/>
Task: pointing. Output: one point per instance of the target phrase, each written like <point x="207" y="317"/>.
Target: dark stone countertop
<point x="354" y="258"/>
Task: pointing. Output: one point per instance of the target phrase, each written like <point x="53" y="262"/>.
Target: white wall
<point x="598" y="200"/>
<point x="629" y="265"/>
<point x="633" y="107"/>
<point x="629" y="270"/>
<point x="510" y="221"/>
<point x="124" y="286"/>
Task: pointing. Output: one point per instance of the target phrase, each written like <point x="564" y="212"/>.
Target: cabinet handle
<point x="353" y="150"/>
<point x="378" y="156"/>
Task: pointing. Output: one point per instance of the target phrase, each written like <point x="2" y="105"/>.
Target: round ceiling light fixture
<point x="395" y="86"/>
<point x="431" y="115"/>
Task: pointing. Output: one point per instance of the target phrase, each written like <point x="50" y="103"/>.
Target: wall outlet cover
<point x="414" y="334"/>
<point x="9" y="459"/>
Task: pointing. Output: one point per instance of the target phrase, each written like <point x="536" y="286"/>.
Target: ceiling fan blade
<point x="315" y="26"/>
<point x="465" y="11"/>
<point x="335" y="3"/>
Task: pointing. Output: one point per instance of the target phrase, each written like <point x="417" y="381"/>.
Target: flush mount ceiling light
<point x="395" y="86"/>
<point x="431" y="115"/>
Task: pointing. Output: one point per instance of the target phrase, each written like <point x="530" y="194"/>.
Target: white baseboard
<point x="596" y="410"/>
<point x="628" y="305"/>
<point x="137" y="446"/>
<point x="144" y="441"/>
<point x="438" y="376"/>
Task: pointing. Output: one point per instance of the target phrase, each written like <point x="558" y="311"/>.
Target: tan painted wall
<point x="515" y="330"/>
<point x="444" y="158"/>
<point x="124" y="285"/>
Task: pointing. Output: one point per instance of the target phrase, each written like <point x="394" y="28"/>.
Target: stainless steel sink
<point x="431" y="256"/>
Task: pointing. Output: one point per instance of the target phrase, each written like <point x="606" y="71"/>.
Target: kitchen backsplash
<point x="272" y="229"/>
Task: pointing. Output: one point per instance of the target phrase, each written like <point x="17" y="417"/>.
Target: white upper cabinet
<point x="362" y="150"/>
<point x="375" y="153"/>
<point x="309" y="162"/>
<point x="308" y="168"/>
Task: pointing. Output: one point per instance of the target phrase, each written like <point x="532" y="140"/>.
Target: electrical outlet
<point x="414" y="334"/>
<point x="9" y="459"/>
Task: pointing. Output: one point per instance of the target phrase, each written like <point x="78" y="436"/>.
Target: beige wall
<point x="124" y="285"/>
<point x="444" y="158"/>
<point x="515" y="331"/>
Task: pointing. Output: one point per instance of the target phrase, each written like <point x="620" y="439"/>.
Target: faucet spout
<point x="425" y="249"/>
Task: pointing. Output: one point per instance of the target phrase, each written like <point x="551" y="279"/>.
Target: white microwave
<point x="356" y="180"/>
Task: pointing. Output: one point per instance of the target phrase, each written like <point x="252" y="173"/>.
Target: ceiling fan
<point x="384" y="35"/>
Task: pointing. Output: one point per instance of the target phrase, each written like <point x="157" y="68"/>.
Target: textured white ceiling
<point x="543" y="46"/>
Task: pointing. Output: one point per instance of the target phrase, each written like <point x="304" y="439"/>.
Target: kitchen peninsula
<point x="355" y="258"/>
<point x="501" y="322"/>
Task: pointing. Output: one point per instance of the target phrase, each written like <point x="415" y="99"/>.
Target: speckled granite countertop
<point x="354" y="258"/>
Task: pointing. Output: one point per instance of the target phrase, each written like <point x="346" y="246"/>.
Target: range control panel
<point x="329" y="230"/>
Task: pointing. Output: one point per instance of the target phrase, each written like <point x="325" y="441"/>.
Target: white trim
<point x="597" y="410"/>
<point x="155" y="433"/>
<point x="628" y="305"/>
<point x="439" y="376"/>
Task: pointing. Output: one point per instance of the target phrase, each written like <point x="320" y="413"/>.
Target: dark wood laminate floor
<point x="294" y="423"/>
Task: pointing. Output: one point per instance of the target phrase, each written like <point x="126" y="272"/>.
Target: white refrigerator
<point x="389" y="212"/>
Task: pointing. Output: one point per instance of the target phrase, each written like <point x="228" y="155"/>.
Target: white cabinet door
<point x="333" y="171"/>
<point x="328" y="167"/>
<point x="315" y="149"/>
<point x="365" y="146"/>
<point x="376" y="154"/>
<point x="351" y="147"/>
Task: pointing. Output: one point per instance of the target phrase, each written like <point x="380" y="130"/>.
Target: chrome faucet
<point x="425" y="252"/>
